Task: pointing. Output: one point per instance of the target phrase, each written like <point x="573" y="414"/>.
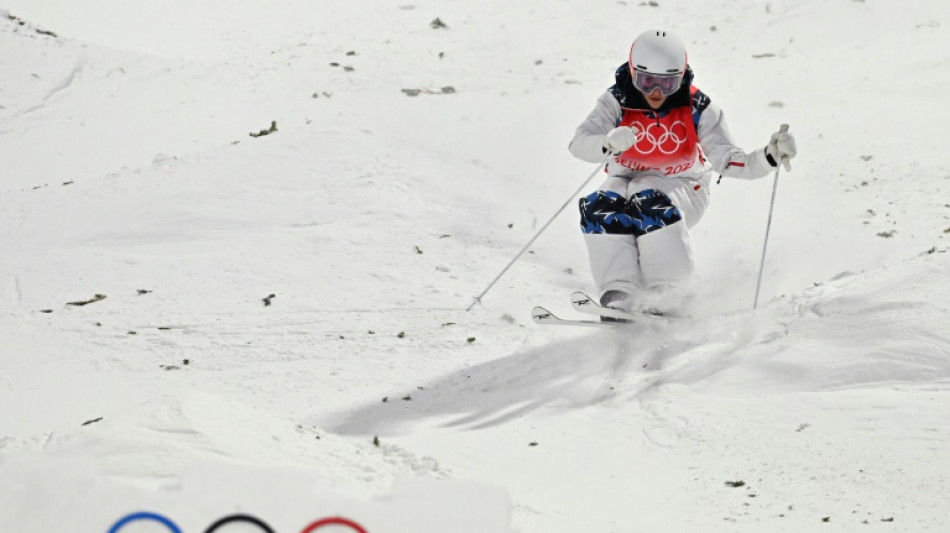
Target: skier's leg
<point x="608" y="234"/>
<point x="663" y="209"/>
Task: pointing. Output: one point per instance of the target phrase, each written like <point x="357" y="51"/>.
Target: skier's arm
<point x="727" y="158"/>
<point x="588" y="142"/>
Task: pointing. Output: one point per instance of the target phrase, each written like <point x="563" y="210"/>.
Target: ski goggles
<point x="666" y="83"/>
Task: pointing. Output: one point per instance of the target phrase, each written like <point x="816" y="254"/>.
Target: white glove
<point x="782" y="147"/>
<point x="620" y="139"/>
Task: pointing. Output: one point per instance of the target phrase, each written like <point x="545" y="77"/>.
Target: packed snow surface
<point x="238" y="240"/>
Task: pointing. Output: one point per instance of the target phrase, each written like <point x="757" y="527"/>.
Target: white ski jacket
<point x="719" y="152"/>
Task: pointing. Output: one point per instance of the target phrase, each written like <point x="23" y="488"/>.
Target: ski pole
<point x="768" y="226"/>
<point x="478" y="299"/>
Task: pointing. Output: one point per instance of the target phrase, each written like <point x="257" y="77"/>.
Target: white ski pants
<point x="636" y="230"/>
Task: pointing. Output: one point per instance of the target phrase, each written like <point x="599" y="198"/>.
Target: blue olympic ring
<point x="144" y="516"/>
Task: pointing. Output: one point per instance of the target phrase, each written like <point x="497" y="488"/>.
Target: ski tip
<point x="580" y="298"/>
<point x="540" y="313"/>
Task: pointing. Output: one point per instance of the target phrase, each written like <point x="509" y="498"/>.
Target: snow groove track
<point x="63" y="85"/>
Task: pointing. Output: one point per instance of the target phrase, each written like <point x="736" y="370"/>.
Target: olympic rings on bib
<point x="657" y="136"/>
<point x="264" y="527"/>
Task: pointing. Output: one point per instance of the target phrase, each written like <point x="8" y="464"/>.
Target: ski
<point x="542" y="316"/>
<point x="585" y="304"/>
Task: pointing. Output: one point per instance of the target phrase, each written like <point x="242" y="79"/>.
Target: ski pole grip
<point x="784" y="159"/>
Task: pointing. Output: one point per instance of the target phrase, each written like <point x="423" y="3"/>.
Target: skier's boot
<point x="619" y="300"/>
<point x="666" y="300"/>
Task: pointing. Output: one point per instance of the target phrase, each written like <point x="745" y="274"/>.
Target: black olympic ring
<point x="239" y="518"/>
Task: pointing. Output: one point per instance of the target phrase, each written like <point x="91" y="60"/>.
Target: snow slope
<point x="284" y="331"/>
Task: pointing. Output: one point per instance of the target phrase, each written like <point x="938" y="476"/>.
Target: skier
<point x="667" y="139"/>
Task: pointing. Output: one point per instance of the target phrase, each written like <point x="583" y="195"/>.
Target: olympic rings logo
<point x="658" y="136"/>
<point x="173" y="528"/>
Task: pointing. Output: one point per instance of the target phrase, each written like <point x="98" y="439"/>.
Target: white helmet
<point x="657" y="60"/>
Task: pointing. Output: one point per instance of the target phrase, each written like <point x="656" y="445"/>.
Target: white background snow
<point x="374" y="217"/>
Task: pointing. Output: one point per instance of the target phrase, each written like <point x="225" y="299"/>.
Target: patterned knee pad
<point x="646" y="211"/>
<point x="605" y="212"/>
<point x="652" y="210"/>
